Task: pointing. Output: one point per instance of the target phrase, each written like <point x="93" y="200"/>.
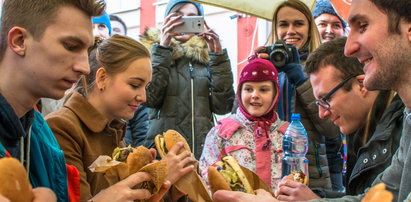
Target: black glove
<point x="294" y="69"/>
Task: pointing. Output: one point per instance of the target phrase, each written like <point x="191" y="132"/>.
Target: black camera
<point x="280" y="53"/>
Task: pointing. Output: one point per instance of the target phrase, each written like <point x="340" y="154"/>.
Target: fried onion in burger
<point x="139" y="159"/>
<point x="298" y="176"/>
<point x="127" y="161"/>
<point x="135" y="158"/>
<point x="228" y="175"/>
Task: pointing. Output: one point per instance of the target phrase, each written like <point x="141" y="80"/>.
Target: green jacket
<point x="47" y="164"/>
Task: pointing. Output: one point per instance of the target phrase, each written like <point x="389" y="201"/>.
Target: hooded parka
<point x="189" y="84"/>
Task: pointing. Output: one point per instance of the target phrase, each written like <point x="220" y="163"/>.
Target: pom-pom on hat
<point x="172" y="3"/>
<point x="103" y="19"/>
<point x="324" y="6"/>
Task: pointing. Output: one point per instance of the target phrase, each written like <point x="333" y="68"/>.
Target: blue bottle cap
<point x="295" y="117"/>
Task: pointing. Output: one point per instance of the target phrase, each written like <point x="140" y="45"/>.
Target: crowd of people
<point x="74" y="87"/>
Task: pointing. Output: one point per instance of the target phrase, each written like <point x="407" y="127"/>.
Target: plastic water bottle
<point x="295" y="146"/>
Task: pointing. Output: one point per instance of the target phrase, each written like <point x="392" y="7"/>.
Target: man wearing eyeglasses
<point x="372" y="120"/>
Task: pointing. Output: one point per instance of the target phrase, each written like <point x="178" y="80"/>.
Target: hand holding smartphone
<point x="191" y="24"/>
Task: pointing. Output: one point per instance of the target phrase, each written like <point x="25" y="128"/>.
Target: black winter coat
<point x="176" y="103"/>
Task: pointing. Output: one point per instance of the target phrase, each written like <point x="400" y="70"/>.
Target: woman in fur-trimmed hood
<point x="192" y="79"/>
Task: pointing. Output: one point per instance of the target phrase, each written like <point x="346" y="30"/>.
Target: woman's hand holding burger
<point x="179" y="164"/>
<point x="123" y="190"/>
<point x="237" y="196"/>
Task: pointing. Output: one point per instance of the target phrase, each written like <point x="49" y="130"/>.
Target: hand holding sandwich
<point x="123" y="190"/>
<point x="290" y="190"/>
<point x="236" y="196"/>
<point x="173" y="148"/>
<point x="138" y="176"/>
<point x="178" y="164"/>
<point x="16" y="185"/>
<point x="43" y="194"/>
<point x="4" y="199"/>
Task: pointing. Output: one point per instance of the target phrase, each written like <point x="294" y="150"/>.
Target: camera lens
<point x="278" y="57"/>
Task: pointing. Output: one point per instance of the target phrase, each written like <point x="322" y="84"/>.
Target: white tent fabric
<point x="259" y="8"/>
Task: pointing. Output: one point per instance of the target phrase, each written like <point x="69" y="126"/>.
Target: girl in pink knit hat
<point x="253" y="135"/>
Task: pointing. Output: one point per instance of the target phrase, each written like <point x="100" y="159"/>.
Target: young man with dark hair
<point x="43" y="52"/>
<point x="381" y="39"/>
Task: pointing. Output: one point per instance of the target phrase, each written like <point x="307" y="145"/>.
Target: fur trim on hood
<point x="195" y="48"/>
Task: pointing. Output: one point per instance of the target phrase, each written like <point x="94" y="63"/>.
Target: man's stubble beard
<point x="393" y="60"/>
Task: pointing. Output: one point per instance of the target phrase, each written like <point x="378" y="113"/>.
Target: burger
<point x="298" y="176"/>
<point x="378" y="193"/>
<point x="139" y="159"/>
<point x="14" y="180"/>
<point x="167" y="140"/>
<point x="135" y="158"/>
<point x="190" y="184"/>
<point x="228" y="175"/>
<point x="158" y="172"/>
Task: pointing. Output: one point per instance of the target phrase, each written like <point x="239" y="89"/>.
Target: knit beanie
<point x="256" y="71"/>
<point x="324" y="6"/>
<point x="172" y="3"/>
<point x="103" y="19"/>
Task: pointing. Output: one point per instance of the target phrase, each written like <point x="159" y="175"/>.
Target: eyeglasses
<point x="323" y="101"/>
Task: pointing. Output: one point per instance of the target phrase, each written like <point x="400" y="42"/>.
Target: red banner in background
<point x="342" y="7"/>
<point x="147" y="14"/>
<point x="247" y="40"/>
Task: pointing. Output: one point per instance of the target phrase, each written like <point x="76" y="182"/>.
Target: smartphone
<point x="192" y="24"/>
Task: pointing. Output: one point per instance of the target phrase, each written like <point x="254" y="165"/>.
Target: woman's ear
<point x="101" y="79"/>
<point x="408" y="25"/>
<point x="16" y="39"/>
<point x="360" y="80"/>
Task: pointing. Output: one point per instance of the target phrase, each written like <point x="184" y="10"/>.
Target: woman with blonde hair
<point x="294" y="25"/>
<point x="91" y="123"/>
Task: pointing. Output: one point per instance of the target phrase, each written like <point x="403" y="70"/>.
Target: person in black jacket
<point x="337" y="83"/>
<point x="192" y="78"/>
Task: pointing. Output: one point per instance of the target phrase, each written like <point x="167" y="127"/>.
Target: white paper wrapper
<point x="114" y="171"/>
